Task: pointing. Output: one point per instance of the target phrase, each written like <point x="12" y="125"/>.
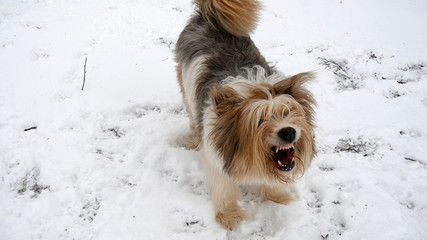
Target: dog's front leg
<point x="224" y="193"/>
<point x="276" y="193"/>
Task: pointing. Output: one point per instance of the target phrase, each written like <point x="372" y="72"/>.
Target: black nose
<point x="287" y="134"/>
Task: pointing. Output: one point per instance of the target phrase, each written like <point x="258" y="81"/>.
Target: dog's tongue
<point x="289" y="156"/>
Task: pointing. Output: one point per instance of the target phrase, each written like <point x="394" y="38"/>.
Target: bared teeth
<point x="284" y="147"/>
<point x="280" y="163"/>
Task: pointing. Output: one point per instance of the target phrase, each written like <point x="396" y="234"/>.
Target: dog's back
<point x="215" y="45"/>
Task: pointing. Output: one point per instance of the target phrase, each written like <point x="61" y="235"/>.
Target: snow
<point x="108" y="162"/>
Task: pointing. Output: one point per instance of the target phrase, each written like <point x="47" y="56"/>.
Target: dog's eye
<point x="261" y="121"/>
<point x="285" y="115"/>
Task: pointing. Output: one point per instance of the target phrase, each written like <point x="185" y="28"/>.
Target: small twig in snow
<point x="335" y="66"/>
<point x="31" y="128"/>
<point x="84" y="76"/>
<point x="414" y="160"/>
<point x="324" y="236"/>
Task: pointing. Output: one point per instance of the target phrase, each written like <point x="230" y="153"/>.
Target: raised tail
<point x="237" y="17"/>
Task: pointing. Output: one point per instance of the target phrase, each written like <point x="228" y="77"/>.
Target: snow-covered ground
<point x="108" y="162"/>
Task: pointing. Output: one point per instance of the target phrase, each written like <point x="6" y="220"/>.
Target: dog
<point x="252" y="124"/>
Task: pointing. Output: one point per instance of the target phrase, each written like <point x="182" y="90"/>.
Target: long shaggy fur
<point x="237" y="17"/>
<point x="252" y="124"/>
<point x="238" y="134"/>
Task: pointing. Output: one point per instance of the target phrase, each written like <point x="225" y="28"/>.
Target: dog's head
<point x="264" y="129"/>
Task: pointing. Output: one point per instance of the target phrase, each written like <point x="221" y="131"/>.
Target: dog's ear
<point x="294" y="86"/>
<point x="223" y="98"/>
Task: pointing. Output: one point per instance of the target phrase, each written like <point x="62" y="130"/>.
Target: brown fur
<point x="241" y="142"/>
<point x="237" y="17"/>
<point x="276" y="194"/>
<point x="230" y="216"/>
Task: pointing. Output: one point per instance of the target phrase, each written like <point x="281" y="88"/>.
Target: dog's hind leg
<point x="193" y="139"/>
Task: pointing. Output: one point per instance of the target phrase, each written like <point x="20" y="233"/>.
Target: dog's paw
<point x="230" y="217"/>
<point x="282" y="199"/>
<point x="282" y="196"/>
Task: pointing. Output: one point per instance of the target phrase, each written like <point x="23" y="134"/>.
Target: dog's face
<point x="264" y="131"/>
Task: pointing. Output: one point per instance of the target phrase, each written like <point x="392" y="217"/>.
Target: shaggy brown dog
<point x="252" y="124"/>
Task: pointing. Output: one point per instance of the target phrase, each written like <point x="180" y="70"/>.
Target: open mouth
<point x="283" y="157"/>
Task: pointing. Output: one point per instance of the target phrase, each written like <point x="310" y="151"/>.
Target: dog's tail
<point x="237" y="17"/>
